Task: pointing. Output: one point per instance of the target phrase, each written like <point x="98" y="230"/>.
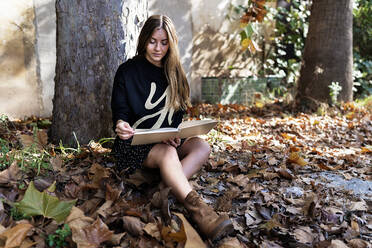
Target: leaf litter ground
<point x="286" y="180"/>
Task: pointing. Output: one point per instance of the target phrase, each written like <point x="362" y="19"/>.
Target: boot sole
<point x="225" y="228"/>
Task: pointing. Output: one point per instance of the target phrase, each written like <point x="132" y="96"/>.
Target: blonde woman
<point x="151" y="91"/>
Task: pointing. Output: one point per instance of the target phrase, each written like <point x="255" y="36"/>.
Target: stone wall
<point x="27" y="57"/>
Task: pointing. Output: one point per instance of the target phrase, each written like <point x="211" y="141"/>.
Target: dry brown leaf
<point x="169" y="235"/>
<point x="270" y="175"/>
<point x="295" y="157"/>
<point x="97" y="173"/>
<point x="15" y="236"/>
<point x="337" y="244"/>
<point x="111" y="193"/>
<point x="57" y="163"/>
<point x="11" y="174"/>
<point x="359" y="206"/>
<point x="325" y="167"/>
<point x="272" y="161"/>
<point x="27" y="243"/>
<point x="310" y="204"/>
<point x="41" y="139"/>
<point x="97" y="233"/>
<point x="104" y="209"/>
<point x="285" y="173"/>
<point x="133" y="225"/>
<point x="304" y="235"/>
<point x="230" y="243"/>
<point x="355" y="226"/>
<point x="241" y="180"/>
<point x="152" y="229"/>
<point x="252" y="187"/>
<point x="193" y="239"/>
<point x="358" y="243"/>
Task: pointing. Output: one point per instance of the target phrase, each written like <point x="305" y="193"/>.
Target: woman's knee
<point x="164" y="152"/>
<point x="196" y="147"/>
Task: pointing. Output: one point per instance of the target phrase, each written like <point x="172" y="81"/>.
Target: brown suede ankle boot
<point x="210" y="224"/>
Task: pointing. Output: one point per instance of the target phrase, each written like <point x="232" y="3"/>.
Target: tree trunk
<point x="328" y="52"/>
<point x="93" y="38"/>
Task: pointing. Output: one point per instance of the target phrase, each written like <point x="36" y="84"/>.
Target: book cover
<point x="185" y="129"/>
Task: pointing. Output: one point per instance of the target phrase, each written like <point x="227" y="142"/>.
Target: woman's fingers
<point x="173" y="142"/>
<point x="124" y="130"/>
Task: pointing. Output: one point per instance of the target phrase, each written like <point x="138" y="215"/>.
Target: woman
<point x="151" y="91"/>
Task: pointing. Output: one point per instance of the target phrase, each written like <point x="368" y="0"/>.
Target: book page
<point x="143" y="136"/>
<point x="196" y="127"/>
<point x="185" y="129"/>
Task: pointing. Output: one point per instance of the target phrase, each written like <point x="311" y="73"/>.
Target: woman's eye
<point x="164" y="43"/>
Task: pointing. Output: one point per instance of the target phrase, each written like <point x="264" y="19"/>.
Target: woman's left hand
<point x="173" y="142"/>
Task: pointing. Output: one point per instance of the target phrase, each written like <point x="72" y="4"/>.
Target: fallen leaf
<point x="337" y="244"/>
<point x="359" y="206"/>
<point x="285" y="173"/>
<point x="230" y="243"/>
<point x="116" y="238"/>
<point x="57" y="163"/>
<point x="111" y="193"/>
<point x="97" y="173"/>
<point x="355" y="226"/>
<point x="358" y="243"/>
<point x="325" y="167"/>
<point x="193" y="239"/>
<point x="133" y="225"/>
<point x="295" y="157"/>
<point x="15" y="235"/>
<point x="11" y="174"/>
<point x="98" y="232"/>
<point x="104" y="209"/>
<point x="169" y="235"/>
<point x="263" y="211"/>
<point x="27" y="243"/>
<point x="152" y="229"/>
<point x="304" y="235"/>
<point x="35" y="202"/>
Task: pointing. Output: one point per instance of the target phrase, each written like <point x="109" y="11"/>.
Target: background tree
<point x="93" y="38"/>
<point x="328" y="53"/>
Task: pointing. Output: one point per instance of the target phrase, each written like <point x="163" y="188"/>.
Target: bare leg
<point x="165" y="158"/>
<point x="194" y="153"/>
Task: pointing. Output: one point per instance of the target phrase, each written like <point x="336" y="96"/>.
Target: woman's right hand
<point x="124" y="130"/>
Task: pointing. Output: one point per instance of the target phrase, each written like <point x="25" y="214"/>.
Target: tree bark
<point x="328" y="52"/>
<point x="93" y="39"/>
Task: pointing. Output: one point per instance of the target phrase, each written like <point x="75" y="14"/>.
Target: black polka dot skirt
<point x="129" y="158"/>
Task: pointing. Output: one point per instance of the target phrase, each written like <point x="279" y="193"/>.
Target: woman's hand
<point x="173" y="142"/>
<point x="124" y="130"/>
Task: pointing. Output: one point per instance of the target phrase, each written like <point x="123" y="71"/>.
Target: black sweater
<point x="139" y="96"/>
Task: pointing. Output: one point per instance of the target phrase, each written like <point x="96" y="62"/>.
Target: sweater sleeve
<point x="119" y="100"/>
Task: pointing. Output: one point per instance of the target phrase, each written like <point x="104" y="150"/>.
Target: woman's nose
<point x="157" y="46"/>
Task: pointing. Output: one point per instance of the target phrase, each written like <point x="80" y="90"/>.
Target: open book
<point x="185" y="129"/>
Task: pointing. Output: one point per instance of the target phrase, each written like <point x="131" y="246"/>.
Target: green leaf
<point x="40" y="203"/>
<point x="249" y="30"/>
<point x="243" y="35"/>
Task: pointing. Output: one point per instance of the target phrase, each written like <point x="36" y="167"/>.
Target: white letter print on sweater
<point x="162" y="113"/>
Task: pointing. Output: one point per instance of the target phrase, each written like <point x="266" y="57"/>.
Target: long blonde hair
<point x="179" y="87"/>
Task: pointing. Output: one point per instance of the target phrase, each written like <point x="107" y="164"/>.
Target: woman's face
<point x="157" y="47"/>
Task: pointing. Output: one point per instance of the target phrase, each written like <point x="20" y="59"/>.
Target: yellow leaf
<point x="350" y="115"/>
<point x="295" y="157"/>
<point x="259" y="104"/>
<point x="245" y="43"/>
<point x="366" y="150"/>
<point x="243" y="24"/>
<point x="316" y="122"/>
